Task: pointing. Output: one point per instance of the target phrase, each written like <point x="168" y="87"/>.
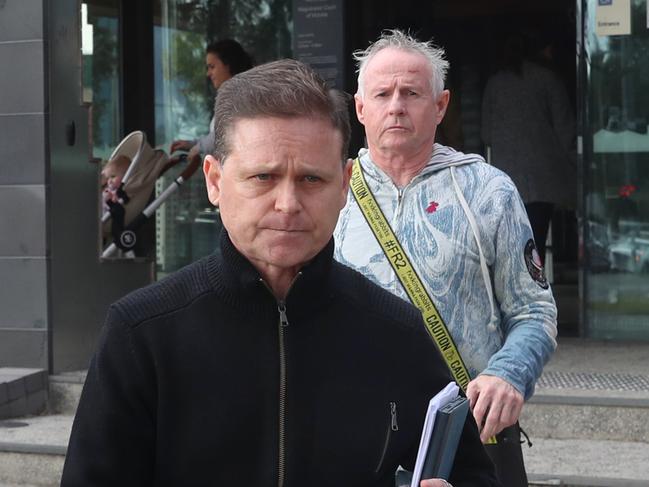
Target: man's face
<point x="280" y="189"/>
<point x="398" y="108"/>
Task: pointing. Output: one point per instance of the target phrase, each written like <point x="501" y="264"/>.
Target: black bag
<point x="507" y="455"/>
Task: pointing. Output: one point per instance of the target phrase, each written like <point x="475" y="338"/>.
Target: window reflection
<point x="187" y="225"/>
<point x="100" y="73"/>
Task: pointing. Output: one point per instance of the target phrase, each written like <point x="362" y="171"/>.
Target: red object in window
<point x="627" y="190"/>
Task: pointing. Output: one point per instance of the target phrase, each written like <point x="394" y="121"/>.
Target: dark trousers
<point x="507" y="455"/>
<point x="540" y="215"/>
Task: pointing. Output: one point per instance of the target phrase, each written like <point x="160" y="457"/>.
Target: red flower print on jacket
<point x="432" y="207"/>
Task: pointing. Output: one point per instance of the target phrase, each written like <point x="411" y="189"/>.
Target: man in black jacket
<point x="269" y="363"/>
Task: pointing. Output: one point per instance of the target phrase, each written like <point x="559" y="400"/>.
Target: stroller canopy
<point x="140" y="177"/>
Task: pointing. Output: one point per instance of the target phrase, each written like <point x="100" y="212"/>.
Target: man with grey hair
<point x="448" y="232"/>
<point x="268" y="363"/>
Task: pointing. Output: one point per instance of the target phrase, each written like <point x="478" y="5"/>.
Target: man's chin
<point x="285" y="258"/>
<point x="292" y="251"/>
<point x="395" y="140"/>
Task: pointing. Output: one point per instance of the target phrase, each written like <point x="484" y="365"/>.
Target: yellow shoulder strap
<point x="408" y="277"/>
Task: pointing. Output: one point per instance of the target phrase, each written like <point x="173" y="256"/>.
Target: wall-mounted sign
<point x="613" y="17"/>
<point x="318" y="37"/>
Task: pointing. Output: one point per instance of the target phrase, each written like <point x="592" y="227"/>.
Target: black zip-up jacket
<point x="205" y="379"/>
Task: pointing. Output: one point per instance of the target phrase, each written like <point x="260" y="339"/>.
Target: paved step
<point x="592" y="391"/>
<point x="65" y="391"/>
<point x="587" y="415"/>
<point x="30" y="470"/>
<point x="587" y="463"/>
<point x="32" y="449"/>
<point x="22" y="391"/>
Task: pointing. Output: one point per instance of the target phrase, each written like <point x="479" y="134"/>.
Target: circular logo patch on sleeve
<point x="534" y="265"/>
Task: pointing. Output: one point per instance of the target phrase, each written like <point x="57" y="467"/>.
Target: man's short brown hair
<point x="284" y="89"/>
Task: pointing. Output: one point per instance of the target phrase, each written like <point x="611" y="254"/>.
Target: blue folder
<point x="449" y="423"/>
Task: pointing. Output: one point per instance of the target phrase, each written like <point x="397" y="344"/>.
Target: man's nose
<point x="397" y="106"/>
<point x="287" y="198"/>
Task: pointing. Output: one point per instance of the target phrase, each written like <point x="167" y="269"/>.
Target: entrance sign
<point x="613" y="17"/>
<point x="318" y="37"/>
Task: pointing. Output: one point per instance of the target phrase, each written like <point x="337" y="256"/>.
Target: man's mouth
<point x="286" y="230"/>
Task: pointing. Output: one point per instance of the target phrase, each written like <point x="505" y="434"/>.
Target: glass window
<point x="188" y="225"/>
<point x="100" y="74"/>
<point x="616" y="213"/>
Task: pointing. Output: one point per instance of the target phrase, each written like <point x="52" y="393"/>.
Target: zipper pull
<point x="283" y="319"/>
<point x="393" y="414"/>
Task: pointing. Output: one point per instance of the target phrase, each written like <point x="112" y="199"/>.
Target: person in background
<point x="463" y="227"/>
<point x="223" y="59"/>
<point x="529" y="129"/>
<point x="268" y="363"/>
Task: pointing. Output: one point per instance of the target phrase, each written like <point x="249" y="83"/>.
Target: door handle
<point x="70" y="133"/>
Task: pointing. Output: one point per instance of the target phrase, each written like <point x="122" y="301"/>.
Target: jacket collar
<point x="239" y="283"/>
<point x="442" y="157"/>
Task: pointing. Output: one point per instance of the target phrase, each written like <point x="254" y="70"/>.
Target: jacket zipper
<point x="283" y="323"/>
<point x="397" y="212"/>
<point x="393" y="426"/>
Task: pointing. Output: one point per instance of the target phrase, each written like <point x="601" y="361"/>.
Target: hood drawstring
<point x="483" y="262"/>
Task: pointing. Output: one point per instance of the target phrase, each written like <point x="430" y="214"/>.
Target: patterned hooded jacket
<point x="465" y="229"/>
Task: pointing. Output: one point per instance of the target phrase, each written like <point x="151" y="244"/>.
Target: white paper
<point x="613" y="17"/>
<point x="442" y="398"/>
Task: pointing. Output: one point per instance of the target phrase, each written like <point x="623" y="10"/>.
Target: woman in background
<point x="223" y="60"/>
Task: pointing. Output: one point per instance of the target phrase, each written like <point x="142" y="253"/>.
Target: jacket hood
<point x="443" y="157"/>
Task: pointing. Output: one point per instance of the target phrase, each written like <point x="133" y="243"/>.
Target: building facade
<point x="82" y="75"/>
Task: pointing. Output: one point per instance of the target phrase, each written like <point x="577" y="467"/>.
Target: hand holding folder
<point x="443" y="427"/>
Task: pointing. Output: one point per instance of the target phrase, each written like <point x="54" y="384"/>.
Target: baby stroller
<point x="133" y="208"/>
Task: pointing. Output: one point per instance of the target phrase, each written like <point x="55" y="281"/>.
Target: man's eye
<point x="412" y="93"/>
<point x="311" y="179"/>
<point x="263" y="177"/>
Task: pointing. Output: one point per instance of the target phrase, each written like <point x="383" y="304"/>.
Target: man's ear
<point x="212" y="171"/>
<point x="358" y="102"/>
<point x="442" y="105"/>
<point x="347" y="174"/>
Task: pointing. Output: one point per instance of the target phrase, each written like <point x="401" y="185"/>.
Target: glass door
<point x="616" y="169"/>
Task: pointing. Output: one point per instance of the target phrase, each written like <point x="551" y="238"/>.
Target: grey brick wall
<point x="23" y="185"/>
